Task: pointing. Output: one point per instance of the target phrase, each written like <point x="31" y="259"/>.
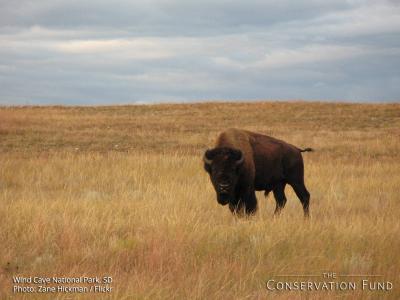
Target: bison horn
<point x="207" y="160"/>
<point x="241" y="159"/>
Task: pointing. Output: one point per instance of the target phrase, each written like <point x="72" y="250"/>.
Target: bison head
<point x="223" y="164"/>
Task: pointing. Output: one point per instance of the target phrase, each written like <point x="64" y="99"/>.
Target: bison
<point x="243" y="162"/>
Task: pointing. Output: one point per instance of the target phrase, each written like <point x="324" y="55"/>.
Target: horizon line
<point x="194" y="102"/>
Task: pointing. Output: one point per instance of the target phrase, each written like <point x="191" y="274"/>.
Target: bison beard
<point x="243" y="162"/>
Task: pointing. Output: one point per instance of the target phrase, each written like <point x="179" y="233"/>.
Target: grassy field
<point x="120" y="191"/>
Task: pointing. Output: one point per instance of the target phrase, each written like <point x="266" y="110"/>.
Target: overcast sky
<point x="115" y="52"/>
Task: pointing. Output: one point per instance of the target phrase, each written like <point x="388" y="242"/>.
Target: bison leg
<point x="251" y="203"/>
<point x="303" y="195"/>
<point x="236" y="208"/>
<point x="280" y="198"/>
<point x="247" y="204"/>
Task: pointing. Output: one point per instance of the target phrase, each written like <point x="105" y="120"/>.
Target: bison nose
<point x="223" y="187"/>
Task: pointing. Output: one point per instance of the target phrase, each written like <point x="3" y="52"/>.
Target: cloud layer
<point x="101" y="52"/>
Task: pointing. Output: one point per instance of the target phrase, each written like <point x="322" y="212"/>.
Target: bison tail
<point x="307" y="150"/>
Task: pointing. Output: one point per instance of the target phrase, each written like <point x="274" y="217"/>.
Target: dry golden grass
<point x="120" y="191"/>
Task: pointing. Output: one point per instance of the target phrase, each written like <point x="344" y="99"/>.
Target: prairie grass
<point x="120" y="191"/>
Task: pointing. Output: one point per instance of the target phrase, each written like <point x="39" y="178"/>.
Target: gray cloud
<point x="153" y="17"/>
<point x="97" y="52"/>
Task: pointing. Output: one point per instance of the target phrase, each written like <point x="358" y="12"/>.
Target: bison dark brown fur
<point x="243" y="162"/>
